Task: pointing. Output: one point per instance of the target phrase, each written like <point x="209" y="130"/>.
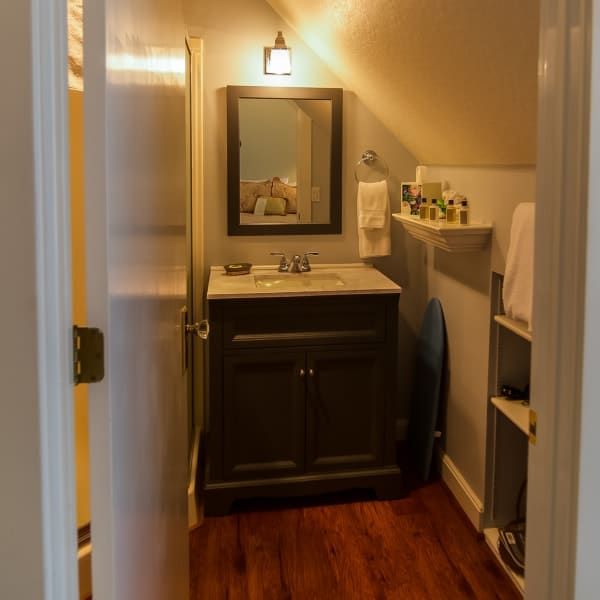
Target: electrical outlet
<point x="316" y="194"/>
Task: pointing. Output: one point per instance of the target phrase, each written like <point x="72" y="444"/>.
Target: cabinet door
<point x="264" y="427"/>
<point x="346" y="400"/>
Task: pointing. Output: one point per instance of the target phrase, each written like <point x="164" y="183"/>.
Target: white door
<point x="135" y="169"/>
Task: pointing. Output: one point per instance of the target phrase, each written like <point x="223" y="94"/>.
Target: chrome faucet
<point x="295" y="264"/>
<point x="298" y="264"/>
<point x="284" y="265"/>
<point x="305" y="264"/>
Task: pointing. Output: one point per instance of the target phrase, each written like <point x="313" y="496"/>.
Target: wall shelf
<point x="515" y="411"/>
<point x="451" y="238"/>
<point x="491" y="537"/>
<point x="518" y="327"/>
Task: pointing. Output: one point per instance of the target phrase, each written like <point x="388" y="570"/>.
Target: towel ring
<point x="371" y="168"/>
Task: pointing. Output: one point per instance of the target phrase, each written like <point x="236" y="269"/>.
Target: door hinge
<point x="88" y="355"/>
<point x="532" y="427"/>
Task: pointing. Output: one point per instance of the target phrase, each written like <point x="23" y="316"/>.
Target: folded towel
<point x="517" y="291"/>
<point x="373" y="203"/>
<point x="371" y="220"/>
<point x="373" y="208"/>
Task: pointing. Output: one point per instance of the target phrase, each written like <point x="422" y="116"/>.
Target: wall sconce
<point x="278" y="59"/>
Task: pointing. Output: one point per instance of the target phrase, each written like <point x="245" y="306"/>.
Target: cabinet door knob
<point x="311" y="373"/>
<point x="302" y="373"/>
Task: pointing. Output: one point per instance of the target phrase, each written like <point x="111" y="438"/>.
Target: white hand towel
<point x="517" y="291"/>
<point x="373" y="208"/>
<point x="373" y="203"/>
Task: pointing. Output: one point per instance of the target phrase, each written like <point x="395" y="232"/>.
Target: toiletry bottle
<point x="442" y="207"/>
<point x="434" y="211"/>
<point x="424" y="210"/>
<point x="464" y="216"/>
<point x="451" y="212"/>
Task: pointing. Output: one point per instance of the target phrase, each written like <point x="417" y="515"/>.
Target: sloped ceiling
<point x="454" y="80"/>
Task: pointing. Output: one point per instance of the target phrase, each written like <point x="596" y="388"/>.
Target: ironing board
<point x="427" y="389"/>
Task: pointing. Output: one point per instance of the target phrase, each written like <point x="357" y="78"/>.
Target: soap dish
<point x="238" y="269"/>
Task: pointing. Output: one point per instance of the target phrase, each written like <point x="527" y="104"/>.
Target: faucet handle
<point x="283" y="263"/>
<point x="305" y="266"/>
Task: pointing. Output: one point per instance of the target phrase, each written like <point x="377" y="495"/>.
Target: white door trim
<point x="587" y="574"/>
<point x="195" y="48"/>
<point x="53" y="282"/>
<point x="560" y="255"/>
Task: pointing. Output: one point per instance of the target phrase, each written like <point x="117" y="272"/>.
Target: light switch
<point x="316" y="194"/>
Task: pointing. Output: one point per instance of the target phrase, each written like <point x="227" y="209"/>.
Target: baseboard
<point x="194" y="513"/>
<point x="461" y="490"/>
<point x="401" y="429"/>
<point x="84" y="562"/>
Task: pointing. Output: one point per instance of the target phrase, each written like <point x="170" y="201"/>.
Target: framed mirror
<point x="284" y="160"/>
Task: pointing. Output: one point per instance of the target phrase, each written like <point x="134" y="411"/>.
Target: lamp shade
<point x="278" y="59"/>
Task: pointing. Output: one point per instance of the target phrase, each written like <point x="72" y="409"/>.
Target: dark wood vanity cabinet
<point x="264" y="414"/>
<point x="345" y="405"/>
<point x="301" y="397"/>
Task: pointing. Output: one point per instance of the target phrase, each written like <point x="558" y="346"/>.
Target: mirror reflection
<point x="285" y="154"/>
<point x="284" y="160"/>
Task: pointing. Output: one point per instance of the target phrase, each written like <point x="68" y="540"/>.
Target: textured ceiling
<point x="454" y="80"/>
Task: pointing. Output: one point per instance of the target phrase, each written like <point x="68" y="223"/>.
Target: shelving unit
<point x="491" y="536"/>
<point x="508" y="422"/>
<point x="448" y="237"/>
<point x="518" y="327"/>
<point x="514" y="410"/>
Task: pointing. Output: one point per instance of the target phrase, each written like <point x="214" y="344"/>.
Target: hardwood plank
<point x="479" y="568"/>
<point x="418" y="548"/>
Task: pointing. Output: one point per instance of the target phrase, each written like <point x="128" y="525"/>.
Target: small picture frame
<point x="411" y="198"/>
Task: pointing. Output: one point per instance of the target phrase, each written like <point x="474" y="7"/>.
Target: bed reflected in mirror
<point x="284" y="155"/>
<point x="284" y="161"/>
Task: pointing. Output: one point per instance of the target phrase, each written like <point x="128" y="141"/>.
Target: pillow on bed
<point x="282" y="190"/>
<point x="250" y="191"/>
<point x="269" y="205"/>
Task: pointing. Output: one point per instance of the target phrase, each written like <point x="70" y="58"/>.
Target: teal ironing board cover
<point x="427" y="388"/>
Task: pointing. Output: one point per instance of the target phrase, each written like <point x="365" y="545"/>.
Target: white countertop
<point x="358" y="278"/>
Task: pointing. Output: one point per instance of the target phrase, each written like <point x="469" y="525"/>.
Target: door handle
<point x="311" y="373"/>
<point x="302" y="373"/>
<point x="201" y="329"/>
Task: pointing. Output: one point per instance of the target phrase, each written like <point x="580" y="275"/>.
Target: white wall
<point x="267" y="139"/>
<point x="21" y="567"/>
<point x="462" y="283"/>
<point x="234" y="34"/>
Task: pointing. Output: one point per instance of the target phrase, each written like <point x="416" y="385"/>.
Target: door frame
<point x="561" y="250"/>
<point x="559" y="299"/>
<point x="195" y="51"/>
<point x="54" y="309"/>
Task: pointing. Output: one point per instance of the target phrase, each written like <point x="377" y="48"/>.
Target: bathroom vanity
<point x="302" y="384"/>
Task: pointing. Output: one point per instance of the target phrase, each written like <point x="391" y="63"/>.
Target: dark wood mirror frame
<point x="234" y="93"/>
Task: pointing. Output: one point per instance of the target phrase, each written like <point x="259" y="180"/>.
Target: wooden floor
<point x="420" y="547"/>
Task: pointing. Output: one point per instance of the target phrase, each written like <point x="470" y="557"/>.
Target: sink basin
<point x="324" y="280"/>
<point x="298" y="281"/>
